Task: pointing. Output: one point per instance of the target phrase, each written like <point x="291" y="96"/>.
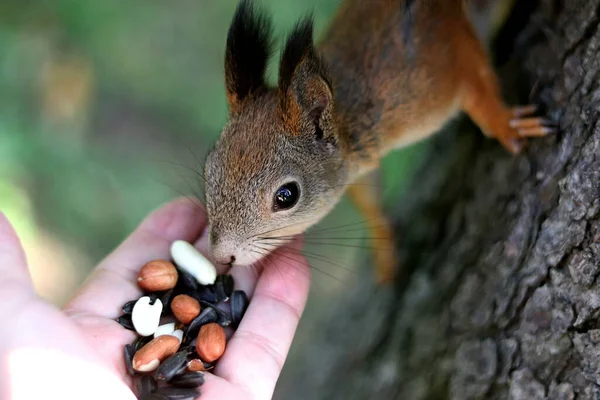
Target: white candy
<point x="193" y="262"/>
<point x="165" y="329"/>
<point x="178" y="334"/>
<point x="146" y="317"/>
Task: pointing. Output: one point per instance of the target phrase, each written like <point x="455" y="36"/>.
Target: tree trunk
<point x="499" y="297"/>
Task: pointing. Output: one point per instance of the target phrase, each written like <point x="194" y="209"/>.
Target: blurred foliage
<point x="108" y="107"/>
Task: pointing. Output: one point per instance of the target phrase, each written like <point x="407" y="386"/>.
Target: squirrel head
<point x="278" y="166"/>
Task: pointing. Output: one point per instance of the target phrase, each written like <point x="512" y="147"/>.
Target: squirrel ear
<point x="304" y="82"/>
<point x="247" y="53"/>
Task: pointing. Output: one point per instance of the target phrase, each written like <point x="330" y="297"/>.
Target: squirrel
<point x="386" y="74"/>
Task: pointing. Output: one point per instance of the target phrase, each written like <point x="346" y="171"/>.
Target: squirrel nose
<point x="224" y="259"/>
<point x="223" y="254"/>
<point x="223" y="249"/>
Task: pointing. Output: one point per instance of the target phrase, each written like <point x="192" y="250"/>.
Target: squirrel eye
<point x="286" y="196"/>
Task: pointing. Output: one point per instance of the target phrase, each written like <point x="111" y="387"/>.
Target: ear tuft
<point x="249" y="43"/>
<point x="299" y="48"/>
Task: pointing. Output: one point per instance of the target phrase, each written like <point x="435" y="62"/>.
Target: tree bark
<point x="500" y="254"/>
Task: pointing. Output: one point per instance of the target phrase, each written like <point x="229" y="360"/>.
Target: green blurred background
<point x="107" y="109"/>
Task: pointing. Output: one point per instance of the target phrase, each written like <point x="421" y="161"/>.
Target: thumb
<point x="14" y="275"/>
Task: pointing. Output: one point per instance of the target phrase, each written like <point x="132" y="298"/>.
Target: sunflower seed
<point x="223" y="318"/>
<point x="171" y="366"/>
<point x="209" y="365"/>
<point x="239" y="304"/>
<point x="187" y="280"/>
<point x="188" y="380"/>
<point x="153" y="297"/>
<point x="207" y="315"/>
<point x="128" y="307"/>
<point x="154" y="396"/>
<point x="129" y="353"/>
<point x="126" y="322"/>
<point x="188" y="258"/>
<point x="174" y="393"/>
<point x="146" y="385"/>
<point x="145" y="316"/>
<point x="220" y="289"/>
<point x="228" y="285"/>
<point x="141" y="342"/>
<point x="166" y="301"/>
<point x="204" y="293"/>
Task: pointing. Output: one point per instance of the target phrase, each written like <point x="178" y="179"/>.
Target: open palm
<point x="77" y="352"/>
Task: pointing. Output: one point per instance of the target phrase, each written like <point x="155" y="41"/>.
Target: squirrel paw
<point x="522" y="125"/>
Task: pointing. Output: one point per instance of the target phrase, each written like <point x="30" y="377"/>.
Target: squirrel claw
<point x="522" y="126"/>
<point x="531" y="127"/>
<point x="536" y="131"/>
<point x="523" y="111"/>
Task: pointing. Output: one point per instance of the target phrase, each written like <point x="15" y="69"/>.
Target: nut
<point x="185" y="308"/>
<point x="193" y="262"/>
<point x="178" y="334"/>
<point x="166" y="329"/>
<point x="149" y="357"/>
<point x="146" y="317"/>
<point x="157" y="275"/>
<point x="210" y="344"/>
<point x="195" y="365"/>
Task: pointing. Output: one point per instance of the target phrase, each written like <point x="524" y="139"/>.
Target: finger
<point x="113" y="282"/>
<point x="215" y="387"/>
<point x="256" y="353"/>
<point x="13" y="263"/>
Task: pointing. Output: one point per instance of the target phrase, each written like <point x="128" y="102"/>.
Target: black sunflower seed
<point x="146" y="385"/>
<point x="175" y="393"/>
<point x="153" y="396"/>
<point x="208" y="365"/>
<point x="141" y="342"/>
<point x="223" y="318"/>
<point x="171" y="366"/>
<point x="188" y="380"/>
<point x="129" y="353"/>
<point x="128" y="307"/>
<point x="223" y="287"/>
<point x="126" y="322"/>
<point x="187" y="280"/>
<point x="207" y="315"/>
<point x="219" y="291"/>
<point x="204" y="293"/>
<point x="228" y="285"/>
<point x="153" y="298"/>
<point x="239" y="304"/>
<point x="166" y="301"/>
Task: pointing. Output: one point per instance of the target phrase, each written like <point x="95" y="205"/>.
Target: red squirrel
<point x="386" y="74"/>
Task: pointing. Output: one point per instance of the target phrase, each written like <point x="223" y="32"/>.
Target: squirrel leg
<point x="483" y="103"/>
<point x="365" y="194"/>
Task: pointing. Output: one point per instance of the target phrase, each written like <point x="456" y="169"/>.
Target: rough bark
<point x="500" y="297"/>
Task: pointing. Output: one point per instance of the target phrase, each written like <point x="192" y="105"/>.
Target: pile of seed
<point x="180" y="323"/>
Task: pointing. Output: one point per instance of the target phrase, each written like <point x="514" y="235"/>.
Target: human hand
<point x="77" y="352"/>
